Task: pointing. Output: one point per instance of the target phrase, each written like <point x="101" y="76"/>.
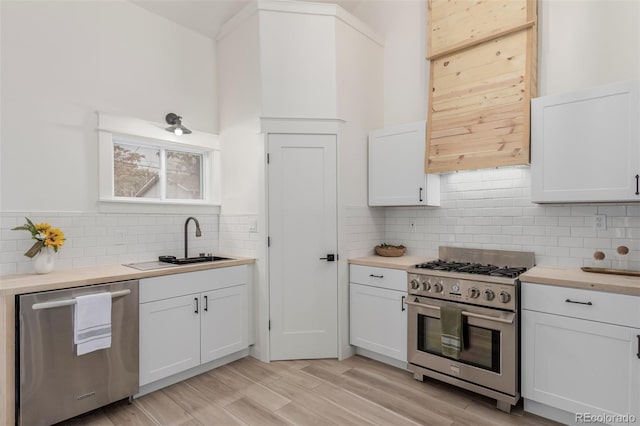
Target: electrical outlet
<point x="412" y="225"/>
<point x="119" y="236"/>
<point x="600" y="222"/>
<point x="253" y="225"/>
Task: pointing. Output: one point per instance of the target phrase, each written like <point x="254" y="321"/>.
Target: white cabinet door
<point x="224" y="323"/>
<point x="169" y="337"/>
<point x="585" y="145"/>
<point x="580" y="366"/>
<point x="396" y="168"/>
<point x="378" y="320"/>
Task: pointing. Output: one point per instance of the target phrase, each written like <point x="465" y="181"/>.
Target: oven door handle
<point x="468" y="314"/>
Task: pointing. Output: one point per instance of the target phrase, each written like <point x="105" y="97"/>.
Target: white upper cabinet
<point x="585" y="146"/>
<point x="396" y="168"/>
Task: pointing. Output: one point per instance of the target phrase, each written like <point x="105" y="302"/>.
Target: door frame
<point x="302" y="126"/>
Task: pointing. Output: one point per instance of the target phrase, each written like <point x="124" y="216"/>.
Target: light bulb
<point x="178" y="131"/>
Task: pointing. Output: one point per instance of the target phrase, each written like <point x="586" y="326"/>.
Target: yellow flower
<point x="42" y="227"/>
<point x="55" y="238"/>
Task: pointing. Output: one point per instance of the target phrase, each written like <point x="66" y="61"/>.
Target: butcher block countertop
<point x="76" y="277"/>
<point x="401" y="262"/>
<point x="576" y="278"/>
<point x="11" y="285"/>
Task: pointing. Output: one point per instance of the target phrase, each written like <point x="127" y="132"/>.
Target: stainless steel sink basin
<point x="149" y="266"/>
<point x="187" y="260"/>
<point x="172" y="261"/>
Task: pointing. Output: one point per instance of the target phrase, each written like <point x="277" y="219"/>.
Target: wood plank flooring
<point x="356" y="391"/>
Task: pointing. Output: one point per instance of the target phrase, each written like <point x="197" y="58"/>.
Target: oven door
<point x="490" y="354"/>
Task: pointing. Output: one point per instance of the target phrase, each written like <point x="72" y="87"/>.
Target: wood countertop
<point x="76" y="277"/>
<point x="576" y="278"/>
<point x="401" y="262"/>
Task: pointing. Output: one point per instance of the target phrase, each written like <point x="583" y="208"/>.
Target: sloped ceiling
<point x="206" y="16"/>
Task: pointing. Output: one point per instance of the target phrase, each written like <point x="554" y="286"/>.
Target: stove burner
<point x="472" y="268"/>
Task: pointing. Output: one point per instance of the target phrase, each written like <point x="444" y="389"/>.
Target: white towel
<point x="92" y="323"/>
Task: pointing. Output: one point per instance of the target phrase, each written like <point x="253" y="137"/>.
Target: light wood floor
<point x="356" y="391"/>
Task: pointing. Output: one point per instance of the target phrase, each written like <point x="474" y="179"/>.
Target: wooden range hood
<point x="483" y="74"/>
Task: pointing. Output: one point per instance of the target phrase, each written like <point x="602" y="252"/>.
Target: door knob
<point x="329" y="258"/>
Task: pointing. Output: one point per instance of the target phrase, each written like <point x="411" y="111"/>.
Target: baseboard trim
<point x="192" y="372"/>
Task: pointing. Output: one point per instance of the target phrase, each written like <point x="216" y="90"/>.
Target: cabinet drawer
<point x="610" y="308"/>
<point x="174" y="285"/>
<point x="392" y="279"/>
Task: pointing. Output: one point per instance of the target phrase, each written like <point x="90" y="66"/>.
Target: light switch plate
<point x="253" y="225"/>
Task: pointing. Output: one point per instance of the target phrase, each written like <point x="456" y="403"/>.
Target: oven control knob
<point x="474" y="293"/>
<point x="414" y="283"/>
<point x="426" y="285"/>
<point x="455" y="288"/>
<point x="437" y="287"/>
<point x="504" y="297"/>
<point x="489" y="294"/>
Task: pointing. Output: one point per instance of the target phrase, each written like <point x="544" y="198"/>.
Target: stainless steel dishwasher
<point x="52" y="382"/>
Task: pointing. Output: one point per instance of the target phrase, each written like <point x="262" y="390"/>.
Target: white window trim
<point x="136" y="131"/>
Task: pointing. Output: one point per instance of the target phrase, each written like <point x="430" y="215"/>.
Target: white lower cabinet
<point x="574" y="364"/>
<point x="223" y="322"/>
<point x="190" y="319"/>
<point x="378" y="316"/>
<point x="169" y="338"/>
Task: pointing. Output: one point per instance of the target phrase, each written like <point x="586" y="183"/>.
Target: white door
<point x="303" y="287"/>
<point x="224" y="322"/>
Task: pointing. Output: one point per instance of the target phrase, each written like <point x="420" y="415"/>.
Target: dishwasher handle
<point x="70" y="302"/>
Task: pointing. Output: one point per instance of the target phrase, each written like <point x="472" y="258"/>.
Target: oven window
<point x="481" y="345"/>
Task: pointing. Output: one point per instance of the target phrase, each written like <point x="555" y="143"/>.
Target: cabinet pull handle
<point x="420" y="194"/>
<point x="638" y="354"/>
<point x="404" y="309"/>
<point x="206" y="303"/>
<point x="637" y="184"/>
<point x="579" y="303"/>
<point x="376" y="276"/>
<point x="196" y="299"/>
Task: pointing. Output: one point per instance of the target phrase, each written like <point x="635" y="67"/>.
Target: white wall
<point x="359" y="92"/>
<point x="587" y="43"/>
<point x="297" y="63"/>
<point x="581" y="44"/>
<point x="62" y="61"/>
<point x="239" y="95"/>
<point x="402" y="24"/>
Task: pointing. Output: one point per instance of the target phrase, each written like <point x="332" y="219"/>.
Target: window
<point x="154" y="172"/>
<point x="145" y="167"/>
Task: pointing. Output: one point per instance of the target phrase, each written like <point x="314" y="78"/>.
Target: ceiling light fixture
<point x="176" y="126"/>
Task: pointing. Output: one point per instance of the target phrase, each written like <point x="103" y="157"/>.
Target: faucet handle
<point x="201" y="254"/>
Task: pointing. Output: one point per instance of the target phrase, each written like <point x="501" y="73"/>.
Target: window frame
<point x="130" y="131"/>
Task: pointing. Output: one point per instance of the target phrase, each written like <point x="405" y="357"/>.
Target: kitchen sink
<point x="171" y="261"/>
<point x="188" y="260"/>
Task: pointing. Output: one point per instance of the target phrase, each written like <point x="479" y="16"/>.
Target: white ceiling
<point x="206" y="16"/>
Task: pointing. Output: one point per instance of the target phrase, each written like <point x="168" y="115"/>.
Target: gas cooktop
<point x="473" y="268"/>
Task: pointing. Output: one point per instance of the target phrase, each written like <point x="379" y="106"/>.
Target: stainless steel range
<point x="484" y="285"/>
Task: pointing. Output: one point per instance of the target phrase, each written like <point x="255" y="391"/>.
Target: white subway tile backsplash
<point x="491" y="209"/>
<point x="100" y="238"/>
